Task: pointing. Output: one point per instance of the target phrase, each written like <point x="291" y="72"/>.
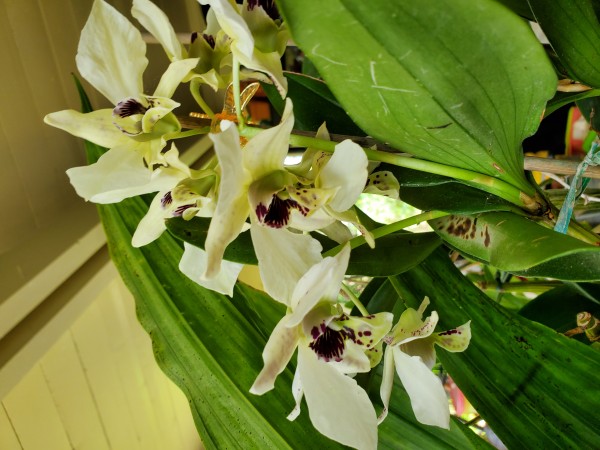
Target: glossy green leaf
<point x="520" y="7"/>
<point x="313" y="104"/>
<point x="574" y="33"/>
<point x="434" y="192"/>
<point x="393" y="254"/>
<point x="438" y="79"/>
<point x="535" y="387"/>
<point x="564" y="98"/>
<point x="518" y="245"/>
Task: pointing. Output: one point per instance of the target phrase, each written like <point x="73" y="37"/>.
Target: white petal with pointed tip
<point x="231" y="22"/>
<point x="96" y="126"/>
<point x="337" y="406"/>
<point x="119" y="173"/>
<point x="193" y="265"/>
<point x="283" y="258"/>
<point x="157" y="23"/>
<point x="111" y="53"/>
<point x="277" y="353"/>
<point x="173" y="76"/>
<point x="152" y="224"/>
<point x="427" y="395"/>
<point x="387" y="382"/>
<point x="346" y="169"/>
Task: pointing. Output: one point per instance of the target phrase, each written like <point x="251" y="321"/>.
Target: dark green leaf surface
<point x="313" y="104"/>
<point x="535" y="387"/>
<point x="564" y="98"/>
<point x="574" y="33"/>
<point x="518" y="245"/>
<point x="590" y="108"/>
<point x="438" y="79"/>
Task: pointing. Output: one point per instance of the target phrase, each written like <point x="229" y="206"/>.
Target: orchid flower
<point x="411" y="351"/>
<point x="257" y="41"/>
<point x="111" y="56"/>
<point x="330" y="345"/>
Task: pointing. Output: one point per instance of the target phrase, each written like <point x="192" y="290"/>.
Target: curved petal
<point x="232" y="23"/>
<point x="316" y="221"/>
<point x="338" y="407"/>
<point x="422" y="348"/>
<point x="157" y="23"/>
<point x="321" y="282"/>
<point x="119" y="173"/>
<point x="96" y="126"/>
<point x="455" y="340"/>
<point x="193" y="265"/>
<point x="269" y="63"/>
<point x="297" y="393"/>
<point x="232" y="205"/>
<point x="277" y="353"/>
<point x="383" y="183"/>
<point x="283" y="258"/>
<point x="387" y="382"/>
<point x="266" y="151"/>
<point x="411" y="327"/>
<point x="427" y="395"/>
<point x="111" y="53"/>
<point x="173" y="77"/>
<point x="152" y="224"/>
<point x="346" y="169"/>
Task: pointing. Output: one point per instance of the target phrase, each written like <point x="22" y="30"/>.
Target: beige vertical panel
<point x="8" y="437"/>
<point x="72" y="396"/>
<point x="91" y="337"/>
<point x="34" y="416"/>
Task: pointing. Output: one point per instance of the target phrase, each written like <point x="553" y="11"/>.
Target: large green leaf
<point x="439" y="79"/>
<point x="518" y="245"/>
<point x="564" y="98"/>
<point x="535" y="387"/>
<point x="573" y="30"/>
<point x="313" y="104"/>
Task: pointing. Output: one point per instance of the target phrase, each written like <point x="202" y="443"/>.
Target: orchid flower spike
<point x="411" y="352"/>
<point x="330" y="345"/>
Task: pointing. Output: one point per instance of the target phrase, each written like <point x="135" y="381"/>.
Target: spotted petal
<point x="455" y="340"/>
<point x="111" y="53"/>
<point x="338" y="407"/>
<point x="157" y="23"/>
<point x="194" y="262"/>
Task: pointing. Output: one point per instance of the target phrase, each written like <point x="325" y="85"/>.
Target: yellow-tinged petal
<point x="111" y="53"/>
<point x="157" y="23"/>
<point x="455" y="340"/>
<point x="173" y="76"/>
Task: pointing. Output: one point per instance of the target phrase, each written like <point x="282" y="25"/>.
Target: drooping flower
<point x="111" y="56"/>
<point x="411" y="352"/>
<point x="330" y="345"/>
<point x="257" y="41"/>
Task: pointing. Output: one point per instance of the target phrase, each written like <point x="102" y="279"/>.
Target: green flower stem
<point x="236" y="93"/>
<point x="483" y="182"/>
<point x="194" y="132"/>
<point x="355" y="300"/>
<point x="388" y="229"/>
<point x="195" y="90"/>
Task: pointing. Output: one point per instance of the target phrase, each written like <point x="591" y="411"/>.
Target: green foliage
<point x="436" y="80"/>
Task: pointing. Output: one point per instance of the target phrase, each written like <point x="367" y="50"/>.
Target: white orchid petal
<point x="427" y="395"/>
<point x="297" y="393"/>
<point x="346" y="169"/>
<point x="387" y="382"/>
<point x="338" y="232"/>
<point x="119" y="173"/>
<point x="269" y="63"/>
<point x="316" y="221"/>
<point x="231" y="22"/>
<point x="277" y="353"/>
<point x="157" y="23"/>
<point x="232" y="206"/>
<point x="265" y="152"/>
<point x="354" y="359"/>
<point x="321" y="282"/>
<point x="456" y="340"/>
<point x="194" y="262"/>
<point x="152" y="224"/>
<point x="422" y="348"/>
<point x="283" y="258"/>
<point x="96" y="126"/>
<point x="111" y="53"/>
<point x="338" y="407"/>
<point x="173" y="77"/>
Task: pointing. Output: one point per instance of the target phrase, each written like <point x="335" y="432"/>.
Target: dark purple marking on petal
<point x="129" y="107"/>
<point x="449" y="332"/>
<point x="193" y="37"/>
<point x="166" y="200"/>
<point x="181" y="209"/>
<point x="277" y="215"/>
<point x="268" y="5"/>
<point x="330" y="344"/>
<point x="210" y="40"/>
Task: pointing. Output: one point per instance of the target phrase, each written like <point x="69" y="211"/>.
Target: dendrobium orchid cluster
<point x="248" y="187"/>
